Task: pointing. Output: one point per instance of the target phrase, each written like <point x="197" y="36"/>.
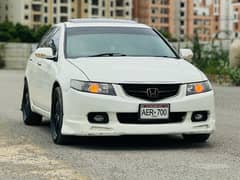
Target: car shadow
<point x="130" y="143"/>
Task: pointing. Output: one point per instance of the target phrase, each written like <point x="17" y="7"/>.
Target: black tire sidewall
<point x="57" y="134"/>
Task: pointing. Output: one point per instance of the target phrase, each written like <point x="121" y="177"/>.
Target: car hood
<point x="138" y="70"/>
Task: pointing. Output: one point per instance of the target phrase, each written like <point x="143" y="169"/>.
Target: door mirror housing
<point x="186" y="54"/>
<point x="45" y="53"/>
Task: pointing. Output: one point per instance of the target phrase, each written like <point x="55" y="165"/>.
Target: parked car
<point x="104" y="77"/>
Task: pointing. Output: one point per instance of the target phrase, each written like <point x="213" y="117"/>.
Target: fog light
<point x="199" y="116"/>
<point x="100" y="118"/>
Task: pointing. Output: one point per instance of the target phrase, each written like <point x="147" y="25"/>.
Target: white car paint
<point x="41" y="75"/>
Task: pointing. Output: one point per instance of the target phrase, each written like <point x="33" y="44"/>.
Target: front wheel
<point x="29" y="117"/>
<point x="57" y="117"/>
<point x="196" y="138"/>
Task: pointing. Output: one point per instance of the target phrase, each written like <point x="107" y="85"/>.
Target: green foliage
<point x="10" y="32"/>
<point x="214" y="60"/>
<point x="2" y="63"/>
<point x="167" y="35"/>
<point x="234" y="74"/>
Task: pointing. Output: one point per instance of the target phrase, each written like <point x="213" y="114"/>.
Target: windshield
<point x="115" y="41"/>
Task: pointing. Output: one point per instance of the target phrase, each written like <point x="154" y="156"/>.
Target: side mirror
<point x="186" y="54"/>
<point x="45" y="53"/>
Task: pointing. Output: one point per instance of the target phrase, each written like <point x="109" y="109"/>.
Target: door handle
<point x="39" y="64"/>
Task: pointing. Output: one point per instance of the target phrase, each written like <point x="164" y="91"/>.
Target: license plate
<point x="154" y="111"/>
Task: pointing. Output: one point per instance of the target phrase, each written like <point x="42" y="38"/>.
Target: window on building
<point x="111" y="4"/>
<point x="120" y="3"/>
<point x="94" y="11"/>
<point x="46" y="1"/>
<point x="54" y="20"/>
<point x="153" y="11"/>
<point x="45" y="20"/>
<point x="119" y="13"/>
<point x="164" y="10"/>
<point x="164" y="20"/>
<point x="26" y="17"/>
<point x="63" y="18"/>
<point x="45" y="9"/>
<point x="26" y="6"/>
<point x="36" y="7"/>
<point x="36" y="18"/>
<point x="95" y="2"/>
<point x="164" y="2"/>
<point x="182" y="5"/>
<point x="103" y="13"/>
<point x="111" y="13"/>
<point x="103" y="3"/>
<point x="64" y="1"/>
<point x="55" y="10"/>
<point x="86" y="10"/>
<point x="63" y="9"/>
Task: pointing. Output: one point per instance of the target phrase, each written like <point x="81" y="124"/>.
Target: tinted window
<point x="91" y="41"/>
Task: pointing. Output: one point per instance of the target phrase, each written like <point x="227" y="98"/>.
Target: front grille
<point x="133" y="118"/>
<point x="151" y="92"/>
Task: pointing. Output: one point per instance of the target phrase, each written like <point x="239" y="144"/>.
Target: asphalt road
<point x="28" y="152"/>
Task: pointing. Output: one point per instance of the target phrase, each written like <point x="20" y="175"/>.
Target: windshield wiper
<point x="108" y="54"/>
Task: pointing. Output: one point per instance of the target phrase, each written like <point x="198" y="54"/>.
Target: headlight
<point x="197" y="88"/>
<point x="93" y="87"/>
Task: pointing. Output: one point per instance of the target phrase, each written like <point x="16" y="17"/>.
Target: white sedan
<point x="102" y="77"/>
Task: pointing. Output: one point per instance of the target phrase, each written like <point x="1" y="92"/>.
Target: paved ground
<point x="28" y="152"/>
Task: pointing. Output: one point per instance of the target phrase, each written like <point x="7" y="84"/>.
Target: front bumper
<point x="77" y="105"/>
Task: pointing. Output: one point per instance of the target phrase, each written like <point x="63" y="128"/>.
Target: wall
<point x="16" y="55"/>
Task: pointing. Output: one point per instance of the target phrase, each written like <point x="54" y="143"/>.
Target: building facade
<point x="121" y="9"/>
<point x="185" y="18"/>
<point x="181" y="18"/>
<point x="160" y="14"/>
<point x="38" y="12"/>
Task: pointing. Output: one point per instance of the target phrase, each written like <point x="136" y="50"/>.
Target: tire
<point x="57" y="118"/>
<point x="29" y="117"/>
<point x="196" y="138"/>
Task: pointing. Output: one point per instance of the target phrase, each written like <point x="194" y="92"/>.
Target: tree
<point x="10" y="32"/>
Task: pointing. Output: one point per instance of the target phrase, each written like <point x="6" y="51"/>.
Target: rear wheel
<point x="57" y="117"/>
<point x="29" y="117"/>
<point x="196" y="138"/>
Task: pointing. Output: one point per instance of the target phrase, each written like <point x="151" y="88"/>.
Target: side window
<point x="53" y="41"/>
<point x="45" y="39"/>
<point x="56" y="38"/>
<point x="45" y="36"/>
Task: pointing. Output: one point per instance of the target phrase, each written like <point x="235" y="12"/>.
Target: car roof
<point x="101" y="22"/>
